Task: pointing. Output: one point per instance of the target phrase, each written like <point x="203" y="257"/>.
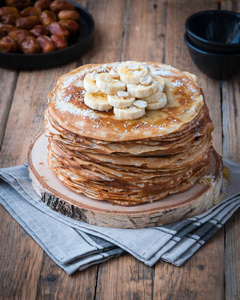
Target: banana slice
<point x="146" y="80"/>
<point x="132" y="72"/>
<point x="89" y="83"/>
<point x="97" y="101"/>
<point x="123" y="94"/>
<point x="142" y="91"/>
<point x="160" y="81"/>
<point x="114" y="73"/>
<point x="140" y="104"/>
<point x="109" y="85"/>
<point x="153" y="98"/>
<point x="130" y="113"/>
<point x="158" y="104"/>
<point x="120" y="102"/>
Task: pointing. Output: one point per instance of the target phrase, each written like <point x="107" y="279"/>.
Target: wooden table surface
<point x="144" y="30"/>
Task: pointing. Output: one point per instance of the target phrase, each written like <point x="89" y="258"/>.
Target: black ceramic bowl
<point x="211" y="31"/>
<point x="77" y="45"/>
<point x="214" y="65"/>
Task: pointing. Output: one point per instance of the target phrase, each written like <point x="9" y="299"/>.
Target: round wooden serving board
<point x="170" y="209"/>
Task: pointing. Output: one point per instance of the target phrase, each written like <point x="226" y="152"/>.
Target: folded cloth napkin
<point x="75" y="245"/>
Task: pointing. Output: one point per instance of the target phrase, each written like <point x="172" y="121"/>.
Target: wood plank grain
<point x="54" y="283"/>
<point x="108" y="16"/>
<point x="124" y="278"/>
<point x="232" y="257"/>
<point x="26" y="114"/>
<point x="231" y="119"/>
<point x="144" y="31"/>
<point x="231" y="150"/>
<point x="191" y="280"/>
<point x="20" y="260"/>
<point x="24" y="122"/>
<point x="8" y="80"/>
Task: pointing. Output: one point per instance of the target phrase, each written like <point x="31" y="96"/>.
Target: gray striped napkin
<point x="75" y="245"/>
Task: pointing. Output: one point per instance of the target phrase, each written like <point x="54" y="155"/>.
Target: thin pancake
<point x="67" y="107"/>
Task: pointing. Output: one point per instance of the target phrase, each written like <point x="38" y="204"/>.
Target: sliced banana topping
<point x="140" y="104"/>
<point x="158" y="104"/>
<point x="119" y="102"/>
<point x="146" y="80"/>
<point x="123" y="94"/>
<point x="108" y="84"/>
<point x="132" y="72"/>
<point x="141" y="91"/>
<point x="160" y="81"/>
<point x="132" y="65"/>
<point x="153" y="98"/>
<point x="130" y="113"/>
<point x="94" y="75"/>
<point x="114" y="73"/>
<point x="90" y="84"/>
<point x="129" y="89"/>
<point x="97" y="101"/>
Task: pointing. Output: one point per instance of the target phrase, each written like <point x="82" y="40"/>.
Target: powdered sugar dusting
<point x="176" y="83"/>
<point x="69" y="107"/>
<point x="192" y="88"/>
<point x="69" y="80"/>
<point x="68" y="98"/>
<point x="104" y="68"/>
<point x="160" y="72"/>
<point x="77" y="84"/>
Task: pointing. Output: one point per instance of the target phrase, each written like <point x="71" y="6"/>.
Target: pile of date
<point x="40" y="27"/>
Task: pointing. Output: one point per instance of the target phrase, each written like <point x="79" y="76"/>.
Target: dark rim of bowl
<point x="210" y="12"/>
<point x="186" y="39"/>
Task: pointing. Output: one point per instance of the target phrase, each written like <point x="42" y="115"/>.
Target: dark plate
<point x="77" y="45"/>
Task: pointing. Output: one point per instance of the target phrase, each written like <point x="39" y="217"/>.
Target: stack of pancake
<point x="128" y="162"/>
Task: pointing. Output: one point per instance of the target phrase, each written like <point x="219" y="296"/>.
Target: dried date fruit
<point x="70" y="25"/>
<point x="69" y="14"/>
<point x="59" y="41"/>
<point x="27" y="22"/>
<point x="5" y="29"/>
<point x="30" y="11"/>
<point x="20" y="4"/>
<point x="19" y="34"/>
<point x="58" y="5"/>
<point x="39" y="30"/>
<point x="11" y="18"/>
<point x="29" y="45"/>
<point x="25" y="27"/>
<point x="46" y="44"/>
<point x="47" y="17"/>
<point x="6" y="10"/>
<point x="56" y="28"/>
<point x="7" y="44"/>
<point x="42" y="4"/>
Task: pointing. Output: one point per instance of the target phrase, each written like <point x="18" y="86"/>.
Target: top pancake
<point x="67" y="108"/>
